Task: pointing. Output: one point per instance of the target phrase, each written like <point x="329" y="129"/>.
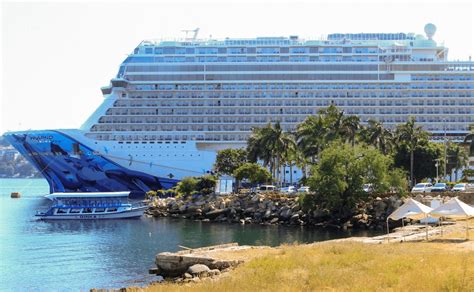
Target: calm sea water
<point x="79" y="255"/>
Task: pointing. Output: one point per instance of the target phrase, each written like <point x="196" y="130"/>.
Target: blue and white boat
<point x="92" y="206"/>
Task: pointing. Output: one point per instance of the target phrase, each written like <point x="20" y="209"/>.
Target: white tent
<point x="455" y="209"/>
<point x="411" y="209"/>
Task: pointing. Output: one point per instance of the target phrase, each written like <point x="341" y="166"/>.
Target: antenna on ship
<point x="187" y="31"/>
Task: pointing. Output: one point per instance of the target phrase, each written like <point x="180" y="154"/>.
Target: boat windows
<point x="75" y="211"/>
<point x="99" y="210"/>
<point x="111" y="209"/>
<point x="87" y="210"/>
<point x="62" y="211"/>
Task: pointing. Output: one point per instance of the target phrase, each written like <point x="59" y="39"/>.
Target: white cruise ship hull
<point x="71" y="162"/>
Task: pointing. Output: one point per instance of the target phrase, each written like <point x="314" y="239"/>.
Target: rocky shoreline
<point x="279" y="209"/>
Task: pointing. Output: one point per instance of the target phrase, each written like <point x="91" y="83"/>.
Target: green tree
<point x="310" y="137"/>
<point x="411" y="136"/>
<point x="228" y="160"/>
<point x="341" y="172"/>
<point x="269" y="144"/>
<point x="205" y="184"/>
<point x="375" y="134"/>
<point x="349" y="128"/>
<point x="425" y="155"/>
<point x="254" y="172"/>
<point x="457" y="158"/>
<point x="187" y="185"/>
<point x="469" y="141"/>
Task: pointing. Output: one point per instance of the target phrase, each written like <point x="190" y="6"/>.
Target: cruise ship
<point x="174" y="104"/>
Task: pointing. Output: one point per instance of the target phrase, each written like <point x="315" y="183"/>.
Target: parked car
<point x="265" y="188"/>
<point x="288" y="190"/>
<point x="459" y="188"/>
<point x="303" y="189"/>
<point x="422" y="188"/>
<point x="440" y="187"/>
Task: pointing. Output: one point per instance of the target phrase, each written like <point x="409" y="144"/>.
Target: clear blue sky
<point x="56" y="56"/>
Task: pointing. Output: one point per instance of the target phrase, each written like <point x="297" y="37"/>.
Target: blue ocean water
<point x="79" y="255"/>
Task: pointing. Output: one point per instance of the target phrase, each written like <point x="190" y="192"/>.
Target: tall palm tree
<point x="268" y="144"/>
<point x="377" y="135"/>
<point x="288" y="155"/>
<point x="349" y="127"/>
<point x="310" y="136"/>
<point x="411" y="135"/>
<point x="333" y="121"/>
<point x="457" y="157"/>
<point x="469" y="139"/>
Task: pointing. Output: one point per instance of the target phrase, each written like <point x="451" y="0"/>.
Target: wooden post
<point x="426" y="226"/>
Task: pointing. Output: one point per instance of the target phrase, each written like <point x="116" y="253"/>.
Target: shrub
<point x="151" y="194"/>
<point x="187" y="185"/>
<point x="206" y="184"/>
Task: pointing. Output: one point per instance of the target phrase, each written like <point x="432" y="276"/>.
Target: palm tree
<point x="333" y="121"/>
<point x="268" y="144"/>
<point x="289" y="153"/>
<point x="457" y="157"/>
<point x="377" y="135"/>
<point x="349" y="128"/>
<point x="469" y="140"/>
<point x="411" y="135"/>
<point x="310" y="136"/>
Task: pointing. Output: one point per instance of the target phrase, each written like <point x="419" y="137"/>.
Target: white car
<point x="459" y="188"/>
<point x="303" y="189"/>
<point x="422" y="188"/>
<point x="266" y="188"/>
<point x="288" y="190"/>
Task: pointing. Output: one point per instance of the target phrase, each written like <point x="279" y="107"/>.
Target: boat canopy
<point x="58" y="196"/>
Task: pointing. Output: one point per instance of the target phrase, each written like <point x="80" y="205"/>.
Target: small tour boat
<point x="113" y="205"/>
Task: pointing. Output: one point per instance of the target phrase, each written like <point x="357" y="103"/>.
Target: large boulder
<point x="198" y="270"/>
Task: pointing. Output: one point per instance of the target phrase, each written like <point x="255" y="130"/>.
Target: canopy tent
<point x="410" y="209"/>
<point x="455" y="209"/>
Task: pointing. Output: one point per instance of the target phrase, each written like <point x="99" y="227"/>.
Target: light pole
<point x="445" y="148"/>
<point x="437" y="164"/>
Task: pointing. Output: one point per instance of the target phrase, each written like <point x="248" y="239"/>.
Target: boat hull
<point x="133" y="213"/>
<point x="70" y="166"/>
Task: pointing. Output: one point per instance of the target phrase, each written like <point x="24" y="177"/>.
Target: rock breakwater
<point x="277" y="209"/>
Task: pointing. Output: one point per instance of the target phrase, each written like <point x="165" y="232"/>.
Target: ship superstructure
<point x="173" y="104"/>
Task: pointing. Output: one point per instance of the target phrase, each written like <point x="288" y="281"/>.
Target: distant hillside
<point x="12" y="164"/>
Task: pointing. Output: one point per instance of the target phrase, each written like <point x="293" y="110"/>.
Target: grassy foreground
<point x="445" y="263"/>
<point x="422" y="266"/>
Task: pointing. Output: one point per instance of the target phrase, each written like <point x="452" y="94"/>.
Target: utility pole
<point x="445" y="147"/>
<point x="437" y="173"/>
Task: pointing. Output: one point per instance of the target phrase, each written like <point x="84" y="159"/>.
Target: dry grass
<point x="345" y="266"/>
<point x="443" y="264"/>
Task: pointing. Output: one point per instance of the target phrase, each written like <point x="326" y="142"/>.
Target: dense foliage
<point x="197" y="185"/>
<point x="253" y="172"/>
<point x="339" y="176"/>
<point x="228" y="160"/>
<point x="407" y="145"/>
